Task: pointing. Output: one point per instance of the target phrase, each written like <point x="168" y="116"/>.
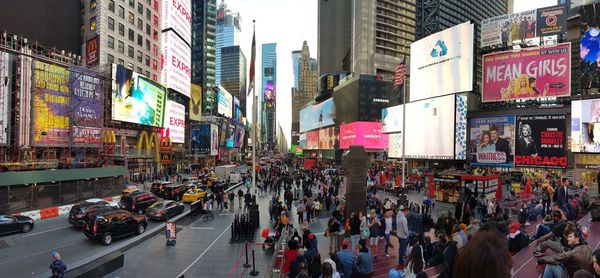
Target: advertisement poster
<point x="237" y="112"/>
<point x="589" y="46"/>
<point x="230" y="141"/>
<point x="195" y="103"/>
<point x="5" y="70"/>
<point x="302" y="140"/>
<point x="225" y="103"/>
<point x="366" y="134"/>
<point x="86" y="106"/>
<point x="214" y="139"/>
<point x="585" y="126"/>
<point x="395" y="145"/>
<point x="528" y="73"/>
<point x="239" y="137"/>
<point x="327" y="138"/>
<point x="312" y="140"/>
<point x="137" y="99"/>
<point x="175" y="121"/>
<point x="176" y="69"/>
<point x="269" y="91"/>
<point x="391" y="119"/>
<point x="460" y="128"/>
<point x="92" y="51"/>
<point x="492" y="141"/>
<point x="317" y="116"/>
<point x="177" y="15"/>
<point x="508" y="28"/>
<point x="442" y="63"/>
<point x="51" y="105"/>
<point x="551" y="20"/>
<point x="540" y="141"/>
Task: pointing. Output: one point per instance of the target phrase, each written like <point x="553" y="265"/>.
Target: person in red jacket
<point x="290" y="254"/>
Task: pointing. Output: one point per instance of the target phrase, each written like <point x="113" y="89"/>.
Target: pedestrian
<point x="347" y="259"/>
<point x="364" y="260"/>
<point x="577" y="255"/>
<point x="486" y="255"/>
<point x="231" y="200"/>
<point x="354" y="231"/>
<point x="240" y="194"/>
<point x="57" y="267"/>
<point x="402" y="232"/>
<point x="388" y="230"/>
<point x="332" y="232"/>
<point x="374" y="229"/>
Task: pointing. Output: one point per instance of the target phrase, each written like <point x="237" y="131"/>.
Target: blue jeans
<point x="552" y="271"/>
<point x="387" y="242"/>
<point x="541" y="231"/>
<point x="354" y="239"/>
<point x="402" y="251"/>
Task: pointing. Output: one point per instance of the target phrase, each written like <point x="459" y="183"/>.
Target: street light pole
<point x="254" y="116"/>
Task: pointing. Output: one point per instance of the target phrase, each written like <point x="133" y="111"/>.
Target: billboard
<point x="327" y="138"/>
<point x="237" y="111"/>
<point x="585" y="126"/>
<point x="528" y="73"/>
<point x="195" y="103"/>
<point x="86" y="106"/>
<point x="136" y="99"/>
<point x="214" y="139"/>
<point x="460" y="127"/>
<point x="92" y="50"/>
<point x="540" y="141"/>
<point x="177" y="16"/>
<point x="508" y="28"/>
<point x="391" y="119"/>
<point x="394" y="148"/>
<point x="239" y="137"/>
<point x="317" y="116"/>
<point x="302" y="140"/>
<point x="176" y="70"/>
<point x="225" y="103"/>
<point x="446" y="53"/>
<point x="175" y="121"/>
<point x="5" y="85"/>
<point x="492" y="141"/>
<point x="366" y="134"/>
<point x="200" y="138"/>
<point x="269" y="91"/>
<point x="312" y="140"/>
<point x="589" y="46"/>
<point x="51" y="105"/>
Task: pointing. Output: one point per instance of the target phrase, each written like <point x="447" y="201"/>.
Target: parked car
<point x="15" y="223"/>
<point x="164" y="209"/>
<point x="138" y="201"/>
<point x="107" y="226"/>
<point x="79" y="210"/>
<point x="194" y="194"/>
<point x="171" y="191"/>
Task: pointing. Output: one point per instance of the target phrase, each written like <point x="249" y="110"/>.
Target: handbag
<point x="366" y="233"/>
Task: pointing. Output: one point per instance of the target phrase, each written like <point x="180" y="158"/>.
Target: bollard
<point x="232" y="239"/>
<point x="246" y="265"/>
<point x="253" y="272"/>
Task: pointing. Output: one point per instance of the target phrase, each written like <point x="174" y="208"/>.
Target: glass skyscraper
<point x="204" y="16"/>
<point x="228" y="34"/>
<point x="269" y="94"/>
<point x="296" y="66"/>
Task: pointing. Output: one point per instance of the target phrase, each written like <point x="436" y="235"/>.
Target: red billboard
<point x="366" y="134"/>
<point x="91" y="51"/>
<point x="312" y="140"/>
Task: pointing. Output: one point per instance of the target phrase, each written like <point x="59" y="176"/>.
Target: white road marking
<point x="202" y="228"/>
<point x="201" y="255"/>
<point x="38" y="233"/>
<point x="226" y="213"/>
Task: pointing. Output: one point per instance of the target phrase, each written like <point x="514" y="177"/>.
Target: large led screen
<point x="492" y="141"/>
<point x="528" y="73"/>
<point x="177" y="15"/>
<point x="394" y="148"/>
<point x="589" y="31"/>
<point x="86" y="106"/>
<point x="5" y="114"/>
<point x="585" y="126"/>
<point x="302" y="140"/>
<point x="136" y="99"/>
<point x="176" y="70"/>
<point x="366" y="134"/>
<point x="540" y="141"/>
<point x="175" y="121"/>
<point x="312" y="140"/>
<point x="196" y="103"/>
<point x="317" y="116"/>
<point x="225" y="103"/>
<point x="442" y="63"/>
<point x="269" y="91"/>
<point x="51" y="105"/>
<point x="200" y="138"/>
<point x="391" y="119"/>
<point x="327" y="138"/>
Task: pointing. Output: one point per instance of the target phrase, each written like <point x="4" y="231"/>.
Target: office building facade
<point x="334" y="34"/>
<point x="233" y="73"/>
<point x="307" y="89"/>
<point x="228" y="34"/>
<point x="204" y="21"/>
<point x="296" y="54"/>
<point x="268" y="94"/>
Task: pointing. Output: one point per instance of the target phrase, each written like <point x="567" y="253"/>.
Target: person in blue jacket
<point x="57" y="266"/>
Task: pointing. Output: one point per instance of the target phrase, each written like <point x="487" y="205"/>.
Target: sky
<point x="525" y="5"/>
<point x="287" y="23"/>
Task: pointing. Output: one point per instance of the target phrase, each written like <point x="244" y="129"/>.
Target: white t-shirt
<point x="388" y="225"/>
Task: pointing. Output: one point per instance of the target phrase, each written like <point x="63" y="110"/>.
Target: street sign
<point x="170" y="230"/>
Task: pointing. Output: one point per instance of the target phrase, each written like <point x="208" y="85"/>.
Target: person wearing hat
<point x="552" y="240"/>
<point x="402" y="232"/>
<point x="57" y="267"/>
<point x="516" y="239"/>
<point x="311" y="250"/>
<point x="346" y="258"/>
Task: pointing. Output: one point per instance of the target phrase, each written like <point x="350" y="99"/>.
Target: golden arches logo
<point x="143" y="141"/>
<point x="109" y="137"/>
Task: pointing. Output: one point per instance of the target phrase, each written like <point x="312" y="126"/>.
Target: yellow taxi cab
<point x="193" y="195"/>
<point x="129" y="190"/>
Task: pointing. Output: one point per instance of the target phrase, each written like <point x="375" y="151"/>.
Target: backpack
<point x="347" y="225"/>
<point x="545" y="194"/>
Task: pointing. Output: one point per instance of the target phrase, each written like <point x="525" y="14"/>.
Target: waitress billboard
<point x="366" y="134"/>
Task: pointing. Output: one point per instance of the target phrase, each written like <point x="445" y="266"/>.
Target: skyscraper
<point x="296" y="54"/>
<point x="233" y="73"/>
<point x="204" y="21"/>
<point x="228" y="34"/>
<point x="307" y="89"/>
<point x="269" y="93"/>
<point x="334" y="34"/>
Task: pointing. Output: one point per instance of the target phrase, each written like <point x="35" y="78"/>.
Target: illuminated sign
<point x="91" y="51"/>
<point x="176" y="15"/>
<point x="175" y="121"/>
<point x="176" y="70"/>
<point x="366" y="134"/>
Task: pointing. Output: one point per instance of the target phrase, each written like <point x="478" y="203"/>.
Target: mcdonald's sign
<point x="91" y="50"/>
<point x="149" y="144"/>
<point x="109" y="137"/>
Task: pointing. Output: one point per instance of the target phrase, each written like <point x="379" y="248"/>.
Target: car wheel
<point x="140" y="229"/>
<point x="26" y="228"/>
<point x="106" y="239"/>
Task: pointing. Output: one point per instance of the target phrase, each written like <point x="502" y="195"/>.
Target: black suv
<point x="108" y="225"/>
<point x="91" y="205"/>
<point x="137" y="202"/>
<point x="167" y="190"/>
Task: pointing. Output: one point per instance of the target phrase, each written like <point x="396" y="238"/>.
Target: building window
<point x="140" y="41"/>
<point x="121" y="12"/>
<point x="154" y="50"/>
<point x="131" y="18"/>
<point x="111" y="23"/>
<point x="132" y="3"/>
<point x="121" y="62"/>
<point x="155" y="6"/>
<point x="155" y="35"/>
<point x="131" y="35"/>
<point x="140" y="24"/>
<point x="148" y="29"/>
<point x="148" y="16"/>
<point x="147" y="73"/>
<point x="110" y="59"/>
<point x="121" y="47"/>
<point x="93" y="23"/>
<point x="130" y="51"/>
<point x="140" y="9"/>
<point x="139" y="69"/>
<point x="111" y="6"/>
<point x="155" y="21"/>
<point x="92" y="5"/>
<point x="121" y="29"/>
<point x="154" y="64"/>
<point x="111" y="42"/>
<point x="147" y="60"/>
<point x="147" y="44"/>
<point x="139" y="57"/>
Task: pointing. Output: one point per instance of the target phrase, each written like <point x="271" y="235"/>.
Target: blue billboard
<point x="317" y="116"/>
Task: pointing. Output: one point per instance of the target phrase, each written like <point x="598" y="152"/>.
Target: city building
<point x="124" y="32"/>
<point x="233" y="73"/>
<point x="306" y="91"/>
<point x="228" y="34"/>
<point x="334" y="35"/>
<point x="296" y="55"/>
<point x="204" y="21"/>
<point x="176" y="53"/>
<point x="268" y="95"/>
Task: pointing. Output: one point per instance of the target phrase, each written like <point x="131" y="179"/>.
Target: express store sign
<point x="174" y="122"/>
<point x="176" y="70"/>
<point x="176" y="15"/>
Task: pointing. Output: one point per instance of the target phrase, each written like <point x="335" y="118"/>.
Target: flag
<point x="400" y="70"/>
<point x="252" y="60"/>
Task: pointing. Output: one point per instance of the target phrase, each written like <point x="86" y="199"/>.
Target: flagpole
<point x="254" y="112"/>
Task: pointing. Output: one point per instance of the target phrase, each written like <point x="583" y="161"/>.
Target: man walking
<point x="402" y="232"/>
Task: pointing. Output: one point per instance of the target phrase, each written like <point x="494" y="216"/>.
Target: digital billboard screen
<point x="195" y="103"/>
<point x="528" y="73"/>
<point x="175" y="121"/>
<point x="86" y="106"/>
<point x="269" y="91"/>
<point x="176" y="70"/>
<point x="177" y="15"/>
<point x="585" y="126"/>
<point x="540" y="141"/>
<point x="317" y="116"/>
<point x="312" y="140"/>
<point x="239" y="137"/>
<point x="366" y="134"/>
<point x="394" y="149"/>
<point x="51" y="105"/>
<point x="136" y="99"/>
<point x="589" y="52"/>
<point x="328" y="138"/>
<point x="443" y="54"/>
<point x="492" y="141"/>
<point x="225" y="103"/>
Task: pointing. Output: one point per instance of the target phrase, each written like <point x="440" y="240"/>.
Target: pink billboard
<point x="525" y="74"/>
<point x="366" y="134"/>
<point x="312" y="140"/>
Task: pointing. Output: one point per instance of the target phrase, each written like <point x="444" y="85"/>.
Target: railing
<point x="274" y="270"/>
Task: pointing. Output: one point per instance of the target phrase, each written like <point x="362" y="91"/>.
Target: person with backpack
<point x="240" y="194"/>
<point x="57" y="266"/>
<point x="547" y="191"/>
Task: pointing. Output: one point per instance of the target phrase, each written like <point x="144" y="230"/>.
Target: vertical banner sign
<point x="541" y="141"/>
<point x="175" y="121"/>
<point x="196" y="103"/>
<point x="492" y="141"/>
<point x="395" y="145"/>
<point x="86" y="106"/>
<point x="91" y="51"/>
<point x="171" y="230"/>
<point x="5" y="86"/>
<point x="51" y="105"/>
<point x="200" y="138"/>
<point x="214" y="139"/>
